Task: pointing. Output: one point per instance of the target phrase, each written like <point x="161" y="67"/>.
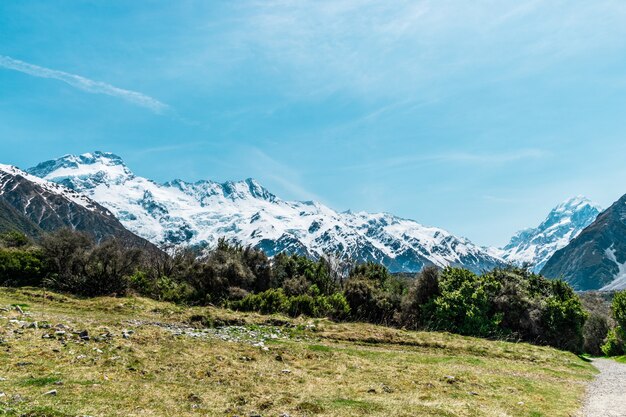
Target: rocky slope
<point x="535" y="246"/>
<point x="596" y="258"/>
<point x="198" y="213"/>
<point x="30" y="204"/>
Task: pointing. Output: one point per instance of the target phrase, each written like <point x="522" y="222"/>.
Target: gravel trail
<point x="606" y="396"/>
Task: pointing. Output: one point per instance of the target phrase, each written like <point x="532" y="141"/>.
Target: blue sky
<point x="473" y="116"/>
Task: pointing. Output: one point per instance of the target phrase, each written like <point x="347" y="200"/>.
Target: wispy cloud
<point x="452" y="157"/>
<point x="85" y="84"/>
<point x="281" y="174"/>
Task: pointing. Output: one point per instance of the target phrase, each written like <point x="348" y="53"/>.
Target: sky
<point x="477" y="117"/>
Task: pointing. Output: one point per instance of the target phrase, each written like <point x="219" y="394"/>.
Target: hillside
<point x="148" y="358"/>
<point x="596" y="259"/>
<point x="183" y="213"/>
<point x="12" y="220"/>
<point x="30" y="205"/>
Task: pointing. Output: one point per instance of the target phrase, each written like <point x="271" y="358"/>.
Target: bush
<point x="268" y="302"/>
<point x="420" y="295"/>
<point x="311" y="305"/>
<point x="595" y="332"/>
<point x="463" y="306"/>
<point x="614" y="344"/>
<point x="14" y="240"/>
<point x="21" y="267"/>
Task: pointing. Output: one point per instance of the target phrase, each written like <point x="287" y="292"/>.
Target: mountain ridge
<point x="33" y="205"/>
<point x="178" y="212"/>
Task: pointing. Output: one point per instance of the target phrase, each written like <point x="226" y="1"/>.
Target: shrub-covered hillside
<point x="508" y="304"/>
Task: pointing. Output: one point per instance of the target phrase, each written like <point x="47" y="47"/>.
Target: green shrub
<point x="595" y="332"/>
<point x="614" y="344"/>
<point x="21" y="267"/>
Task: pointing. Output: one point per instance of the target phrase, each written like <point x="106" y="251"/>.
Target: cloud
<point x="425" y="48"/>
<point x="281" y="174"/>
<point x="452" y="157"/>
<point x="85" y="84"/>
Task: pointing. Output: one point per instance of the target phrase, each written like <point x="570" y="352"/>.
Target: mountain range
<point x="98" y="193"/>
<point x="183" y="213"/>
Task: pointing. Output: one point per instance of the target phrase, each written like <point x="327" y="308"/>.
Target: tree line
<point x="506" y="303"/>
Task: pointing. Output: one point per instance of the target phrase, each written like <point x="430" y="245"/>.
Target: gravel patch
<point x="606" y="396"/>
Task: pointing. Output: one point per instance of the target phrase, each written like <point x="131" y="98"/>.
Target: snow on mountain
<point x="199" y="213"/>
<point x="33" y="205"/>
<point x="8" y="172"/>
<point x="535" y="246"/>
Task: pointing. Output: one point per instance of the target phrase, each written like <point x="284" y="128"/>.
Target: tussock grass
<point x="316" y="367"/>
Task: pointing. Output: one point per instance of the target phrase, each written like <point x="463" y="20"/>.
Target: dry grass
<point x="320" y="369"/>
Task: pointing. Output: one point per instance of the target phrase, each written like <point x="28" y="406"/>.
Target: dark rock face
<point x="34" y="206"/>
<point x="596" y="259"/>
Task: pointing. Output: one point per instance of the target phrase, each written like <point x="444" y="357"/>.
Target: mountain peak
<point x="535" y="246"/>
<point x="575" y="203"/>
<point x="84" y="171"/>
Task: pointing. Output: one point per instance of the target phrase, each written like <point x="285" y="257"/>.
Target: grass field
<point x="145" y="358"/>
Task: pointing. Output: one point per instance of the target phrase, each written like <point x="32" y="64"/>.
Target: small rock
<point x="19" y="309"/>
<point x="520" y="403"/>
<point x="371" y="391"/>
<point x="51" y="392"/>
<point x="84" y="335"/>
<point x="59" y="333"/>
<point x="279" y="358"/>
<point x="450" y="379"/>
<point x="79" y="357"/>
<point x="472" y="393"/>
<point x="387" y="389"/>
<point x="33" y="325"/>
<point x="58" y="383"/>
<point x="286" y="371"/>
<point x="2" y="394"/>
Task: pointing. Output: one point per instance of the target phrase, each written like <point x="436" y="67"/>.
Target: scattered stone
<point x="19" y="309"/>
<point x="51" y="392"/>
<point x="520" y="403"/>
<point x="84" y="335"/>
<point x="472" y="393"/>
<point x="33" y="325"/>
<point x="387" y="388"/>
<point x="194" y="398"/>
<point x="21" y="364"/>
<point x="286" y="371"/>
<point x="79" y="357"/>
<point x="2" y="394"/>
<point x="58" y="383"/>
<point x="450" y="379"/>
<point x="284" y="415"/>
<point x="371" y="391"/>
<point x="279" y="358"/>
<point x="59" y="333"/>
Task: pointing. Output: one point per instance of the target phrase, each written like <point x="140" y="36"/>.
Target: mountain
<point x="596" y="258"/>
<point x="535" y="246"/>
<point x="32" y="205"/>
<point x="185" y="213"/>
<point x="12" y="220"/>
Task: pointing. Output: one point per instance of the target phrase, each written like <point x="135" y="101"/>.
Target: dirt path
<point x="606" y="396"/>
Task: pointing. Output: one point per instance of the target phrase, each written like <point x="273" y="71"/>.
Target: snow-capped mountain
<point x="535" y="246"/>
<point x="596" y="258"/>
<point x="199" y="213"/>
<point x="33" y="206"/>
